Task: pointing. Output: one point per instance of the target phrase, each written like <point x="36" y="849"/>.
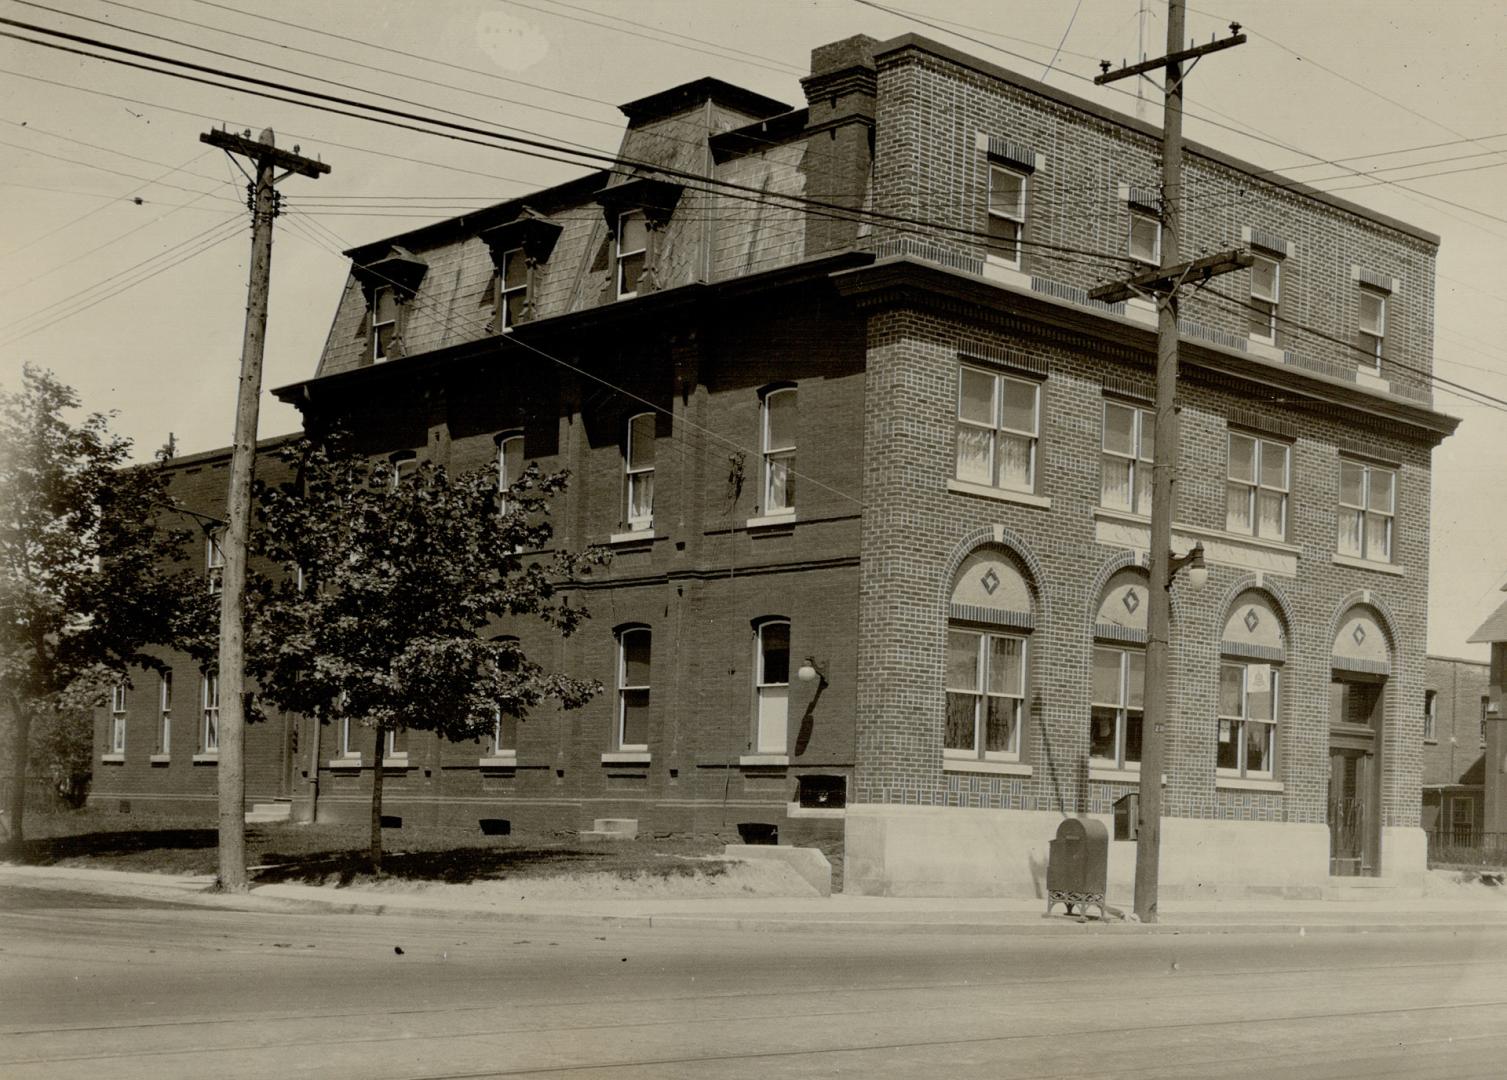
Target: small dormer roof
<point x="688" y="95"/>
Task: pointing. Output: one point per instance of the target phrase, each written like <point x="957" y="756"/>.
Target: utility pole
<point x="231" y="765"/>
<point x="1164" y="283"/>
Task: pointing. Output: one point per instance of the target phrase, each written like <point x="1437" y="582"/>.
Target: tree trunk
<point x="15" y="810"/>
<point x="376" y="852"/>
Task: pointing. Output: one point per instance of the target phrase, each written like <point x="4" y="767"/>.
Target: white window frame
<point x="498" y="749"/>
<point x="1122" y="708"/>
<point x="636" y="476"/>
<point x="625" y="255"/>
<point x="505" y="478"/>
<point x="771" y="696"/>
<point x="981" y="694"/>
<point x="506" y="292"/>
<point x="1144" y="218"/>
<point x="1376" y="332"/>
<point x="1265" y="303"/>
<point x="778" y="460"/>
<point x="1140" y="458"/>
<point x="214" y="561"/>
<point x="209" y="726"/>
<point x="1363" y="513"/>
<point x="1015" y="217"/>
<point x="347" y="748"/>
<point x="1252" y="490"/>
<point x="1430" y="716"/>
<point x="165" y="712"/>
<point x="624" y="688"/>
<point x="1238" y="723"/>
<point x="402" y="462"/>
<point x="118" y="718"/>
<point x="380" y="350"/>
<point x="996" y="429"/>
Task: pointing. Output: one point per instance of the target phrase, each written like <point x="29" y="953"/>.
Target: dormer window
<point x="384" y="323"/>
<point x="632" y="251"/>
<point x="512" y="288"/>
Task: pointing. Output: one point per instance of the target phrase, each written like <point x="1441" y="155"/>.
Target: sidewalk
<point x="1474" y="908"/>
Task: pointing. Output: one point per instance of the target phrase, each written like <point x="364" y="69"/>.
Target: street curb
<point x="1059" y="926"/>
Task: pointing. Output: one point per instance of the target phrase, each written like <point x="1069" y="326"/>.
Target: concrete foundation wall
<point x="943" y="851"/>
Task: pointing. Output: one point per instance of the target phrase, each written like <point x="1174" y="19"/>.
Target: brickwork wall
<point x="927" y="165"/>
<point x="916" y="531"/>
<point x="1454" y="756"/>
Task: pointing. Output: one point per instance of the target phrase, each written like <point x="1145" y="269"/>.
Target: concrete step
<point x="611" y="829"/>
<point x="1366" y="890"/>
<point x="268" y="812"/>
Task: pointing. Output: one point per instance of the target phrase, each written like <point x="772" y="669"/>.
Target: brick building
<point x="1455" y="704"/>
<point x="875" y="473"/>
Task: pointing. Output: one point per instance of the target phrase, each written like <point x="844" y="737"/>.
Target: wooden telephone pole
<point x="232" y="723"/>
<point x="1164" y="283"/>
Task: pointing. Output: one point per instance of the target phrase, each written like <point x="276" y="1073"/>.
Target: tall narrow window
<point x="1430" y="716"/>
<point x="997" y="429"/>
<point x="209" y="732"/>
<point x="504" y="734"/>
<point x="384" y="322"/>
<point x="404" y="462"/>
<point x="512" y="288"/>
<point x="639" y="465"/>
<point x="633" y="689"/>
<point x="1007" y="213"/>
<point x="165" y="712"/>
<point x="1367" y="506"/>
<point x="1373" y="324"/>
<point x="632" y="250"/>
<point x="118" y="719"/>
<point x="1125" y="478"/>
<point x="985" y="694"/>
<point x="1266" y="294"/>
<point x="1256" y="492"/>
<point x="1115" y="723"/>
<point x="509" y="466"/>
<point x="214" y="561"/>
<point x="1145" y="238"/>
<point x="348" y="747"/>
<point x="1485" y="711"/>
<point x="779" y="450"/>
<point x="772" y="687"/>
<point x="1248" y="711"/>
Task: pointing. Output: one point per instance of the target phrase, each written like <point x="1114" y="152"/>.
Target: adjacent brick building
<point x="875" y="472"/>
<point x="1455" y="706"/>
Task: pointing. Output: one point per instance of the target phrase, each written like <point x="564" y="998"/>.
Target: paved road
<point x="119" y="989"/>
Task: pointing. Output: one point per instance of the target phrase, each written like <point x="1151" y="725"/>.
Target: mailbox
<point x="1078" y="866"/>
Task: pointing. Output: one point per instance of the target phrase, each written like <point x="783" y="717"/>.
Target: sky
<point x="124" y="241"/>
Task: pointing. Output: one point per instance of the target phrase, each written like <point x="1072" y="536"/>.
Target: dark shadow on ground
<point x="45" y="851"/>
<point x="456" y="866"/>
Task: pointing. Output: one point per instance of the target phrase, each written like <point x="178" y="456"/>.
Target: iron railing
<point x="1467" y="847"/>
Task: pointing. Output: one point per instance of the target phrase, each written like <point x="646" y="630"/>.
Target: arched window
<point x="634" y="644"/>
<point x="772" y="687"/>
<point x="778" y="444"/>
<point x="1253" y="649"/>
<point x="990" y="618"/>
<point x="638" y="464"/>
<point x="1119" y="672"/>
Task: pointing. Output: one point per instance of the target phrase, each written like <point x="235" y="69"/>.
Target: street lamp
<point x="1198" y="570"/>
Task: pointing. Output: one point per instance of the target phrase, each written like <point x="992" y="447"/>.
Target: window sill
<point x="499" y="761"/>
<point x="353" y="761"/>
<point x="773" y="519"/>
<point x="211" y="757"/>
<point x="1247" y="783"/>
<point x="796" y="810"/>
<point x="993" y="768"/>
<point x="1266" y="348"/>
<point x="627" y="757"/>
<point x="1108" y="774"/>
<point x="113" y="759"/>
<point x="1023" y="498"/>
<point x="1007" y="272"/>
<point x="757" y="760"/>
<point x="633" y="536"/>
<point x="397" y="761"/>
<point x="160" y="759"/>
<point x="1369" y="564"/>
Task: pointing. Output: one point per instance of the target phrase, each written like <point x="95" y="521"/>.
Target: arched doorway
<point x="1360" y="665"/>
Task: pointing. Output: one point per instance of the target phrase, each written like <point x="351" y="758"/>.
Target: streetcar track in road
<point x="1451" y="972"/>
<point x="678" y="1020"/>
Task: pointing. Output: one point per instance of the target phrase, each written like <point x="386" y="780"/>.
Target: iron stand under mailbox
<point x="1078" y="867"/>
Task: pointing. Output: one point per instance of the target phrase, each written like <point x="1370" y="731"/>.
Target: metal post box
<point x="1078" y="866"/>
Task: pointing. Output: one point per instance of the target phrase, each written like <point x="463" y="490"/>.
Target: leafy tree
<point x="394" y="589"/>
<point x="88" y="587"/>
